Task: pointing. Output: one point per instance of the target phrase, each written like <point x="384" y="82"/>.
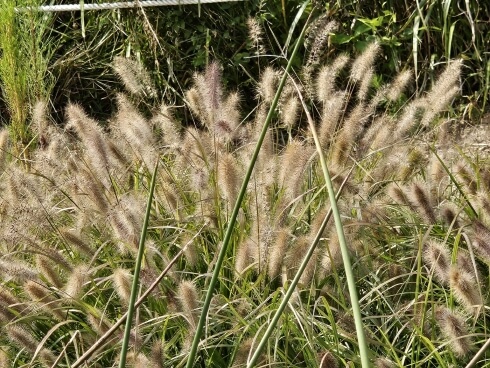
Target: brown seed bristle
<point x="134" y="77"/>
<point x="228" y="179"/>
<point x="325" y="85"/>
<point x="481" y="240"/>
<point x="327" y="360"/>
<point x="246" y="256"/>
<point x="449" y="214"/>
<point x="465" y="289"/>
<point x="255" y="34"/>
<point x="278" y="252"/>
<point x="48" y="271"/>
<point x="365" y="61"/>
<point x="318" y="38"/>
<point x="76" y="281"/>
<point x="365" y="85"/>
<point x="419" y="198"/>
<point x="23" y="339"/>
<point x="293" y="163"/>
<point x="384" y="363"/>
<point x="157" y="355"/>
<point x="189" y="301"/>
<point x="437" y="257"/>
<point x="17" y="271"/>
<point x="122" y="282"/>
<point x="454" y="329"/>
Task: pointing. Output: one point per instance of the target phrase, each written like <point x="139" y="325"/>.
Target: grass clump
<point x="415" y="231"/>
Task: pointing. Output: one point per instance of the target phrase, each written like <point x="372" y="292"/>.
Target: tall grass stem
<point x="137" y="268"/>
<point x="243" y="189"/>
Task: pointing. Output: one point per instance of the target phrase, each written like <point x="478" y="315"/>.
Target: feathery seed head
<point x="134" y="77"/>
<point x="189" y="301"/>
<point x="228" y="178"/>
<point x="23" y="339"/>
<point x="157" y="356"/>
<point x="278" y="252"/>
<point x="481" y="240"/>
<point x="170" y="128"/>
<point x="17" y="271"/>
<point x="325" y="85"/>
<point x="317" y="38"/>
<point x="48" y="271"/>
<point x="76" y="281"/>
<point x="327" y="360"/>
<point x="268" y="84"/>
<point x="246" y="256"/>
<point x="419" y="198"/>
<point x="122" y="283"/>
<point x="294" y="161"/>
<point x="333" y="255"/>
<point x="364" y="62"/>
<point x="384" y="363"/>
<point x="331" y="114"/>
<point x="255" y="34"/>
<point x="449" y="213"/>
<point x="454" y="329"/>
<point x="40" y="122"/>
<point x="395" y="89"/>
<point x="436" y="256"/>
<point x="465" y="289"/>
<point x="99" y="323"/>
<point x="290" y="109"/>
<point x="363" y="91"/>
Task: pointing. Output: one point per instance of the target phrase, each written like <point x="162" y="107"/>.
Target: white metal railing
<point x="120" y="5"/>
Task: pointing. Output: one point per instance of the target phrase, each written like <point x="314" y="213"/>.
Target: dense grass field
<point x="328" y="213"/>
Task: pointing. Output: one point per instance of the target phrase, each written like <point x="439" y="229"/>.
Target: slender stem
<point x="241" y="195"/>
<point x="292" y="287"/>
<point x="137" y="268"/>
<point x="100" y="342"/>
<point x="351" y="282"/>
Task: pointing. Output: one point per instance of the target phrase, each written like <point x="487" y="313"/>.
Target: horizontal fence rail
<point x="119" y="5"/>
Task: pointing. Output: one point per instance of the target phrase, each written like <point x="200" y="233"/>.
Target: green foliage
<point x="24" y="73"/>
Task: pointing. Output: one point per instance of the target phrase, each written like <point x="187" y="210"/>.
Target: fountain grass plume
<point x="197" y="337"/>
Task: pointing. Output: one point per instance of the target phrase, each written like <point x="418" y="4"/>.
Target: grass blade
<point x="234" y="215"/>
<point x="137" y="267"/>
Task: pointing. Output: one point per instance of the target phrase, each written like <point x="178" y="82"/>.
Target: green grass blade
<point x="137" y="268"/>
<point x="243" y="189"/>
<point x="351" y="283"/>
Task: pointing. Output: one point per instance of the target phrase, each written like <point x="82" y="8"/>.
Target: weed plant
<point x="414" y="210"/>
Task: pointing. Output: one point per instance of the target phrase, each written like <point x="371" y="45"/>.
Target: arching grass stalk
<point x="294" y="282"/>
<point x="351" y="282"/>
<point x="103" y="339"/>
<point x="243" y="189"/>
<point x="345" y="258"/>
<point x="137" y="267"/>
